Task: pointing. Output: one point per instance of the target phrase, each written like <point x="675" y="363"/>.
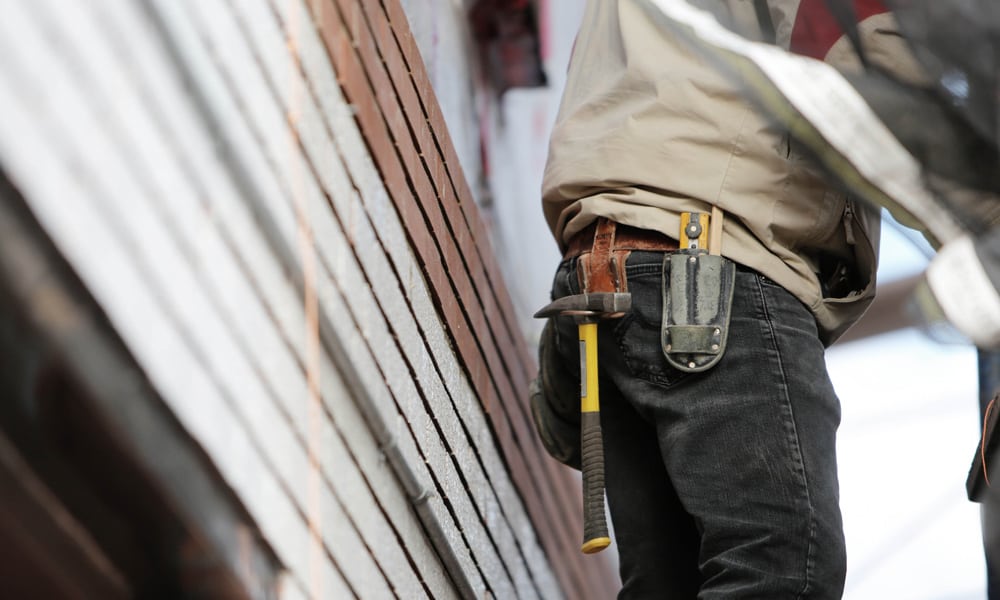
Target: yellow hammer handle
<point x="595" y="527"/>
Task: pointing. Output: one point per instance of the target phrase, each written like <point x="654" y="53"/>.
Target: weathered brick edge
<point x="380" y="70"/>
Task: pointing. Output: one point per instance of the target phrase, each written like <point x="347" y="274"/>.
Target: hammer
<point x="588" y="310"/>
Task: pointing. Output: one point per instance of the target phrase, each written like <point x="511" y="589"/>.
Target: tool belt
<point x="624" y="237"/>
<point x="697" y="286"/>
<point x="603" y="248"/>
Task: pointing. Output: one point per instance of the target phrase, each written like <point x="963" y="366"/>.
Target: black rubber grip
<point x="595" y="526"/>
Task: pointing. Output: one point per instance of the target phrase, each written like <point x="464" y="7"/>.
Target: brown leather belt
<point x="625" y="238"/>
<point x="603" y="247"/>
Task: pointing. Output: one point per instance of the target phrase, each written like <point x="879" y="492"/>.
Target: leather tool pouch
<point x="697" y="304"/>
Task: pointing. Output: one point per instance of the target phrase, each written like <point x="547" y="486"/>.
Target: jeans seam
<point x="800" y="464"/>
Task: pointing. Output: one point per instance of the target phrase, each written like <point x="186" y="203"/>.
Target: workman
<point x="721" y="482"/>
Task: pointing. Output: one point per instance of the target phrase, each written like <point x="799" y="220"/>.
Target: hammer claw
<point x="598" y="305"/>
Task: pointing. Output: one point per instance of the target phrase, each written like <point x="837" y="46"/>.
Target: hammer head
<point x="602" y="305"/>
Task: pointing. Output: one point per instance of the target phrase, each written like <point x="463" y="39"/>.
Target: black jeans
<point x="721" y="484"/>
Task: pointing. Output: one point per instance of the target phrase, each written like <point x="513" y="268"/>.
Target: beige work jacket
<point x="647" y="130"/>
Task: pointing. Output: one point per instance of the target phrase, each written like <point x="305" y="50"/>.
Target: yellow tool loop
<point x="694" y="231"/>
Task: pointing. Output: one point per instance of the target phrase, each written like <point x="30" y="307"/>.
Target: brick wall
<point x="263" y="197"/>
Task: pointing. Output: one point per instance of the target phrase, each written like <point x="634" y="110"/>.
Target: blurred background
<point x="909" y="433"/>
